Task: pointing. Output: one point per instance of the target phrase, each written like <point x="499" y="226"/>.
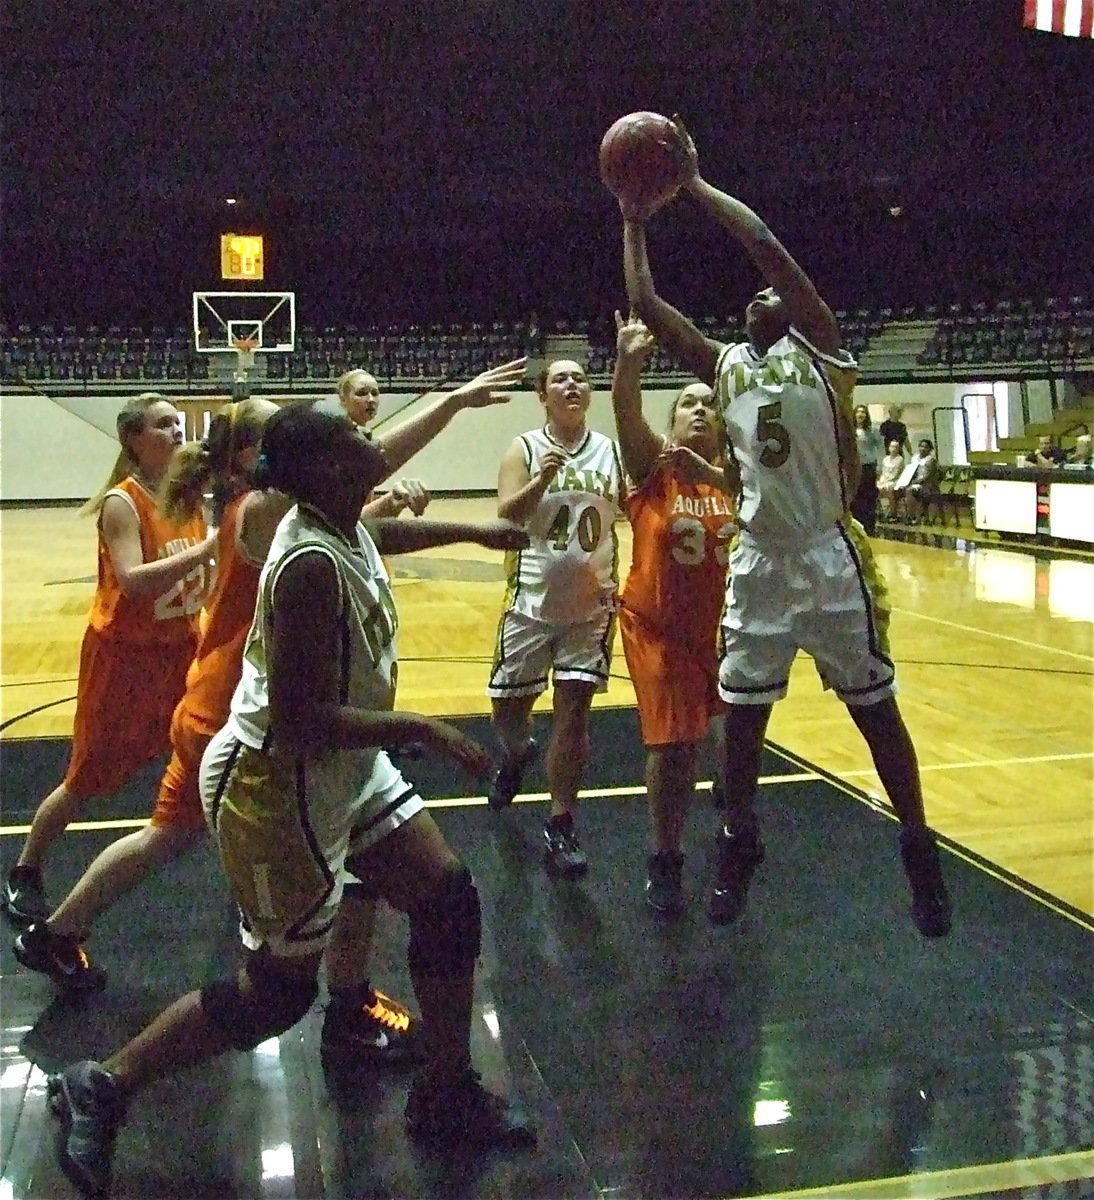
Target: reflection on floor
<point x="819" y="1048"/>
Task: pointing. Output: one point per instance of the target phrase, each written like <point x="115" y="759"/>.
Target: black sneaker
<point x="507" y="780"/>
<point x="464" y="1115"/>
<point x="930" y="900"/>
<point x="562" y="852"/>
<point x="24" y="896"/>
<point x="739" y="854"/>
<point x="381" y="1034"/>
<point x="85" y="1098"/>
<point x="664" y="888"/>
<point x="60" y="957"/>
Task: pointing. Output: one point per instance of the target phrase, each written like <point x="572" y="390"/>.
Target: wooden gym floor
<point x="820" y="1048"/>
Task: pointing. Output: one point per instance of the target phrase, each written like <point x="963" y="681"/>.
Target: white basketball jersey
<point x="779" y="411"/>
<point x="570" y="571"/>
<point x="366" y="624"/>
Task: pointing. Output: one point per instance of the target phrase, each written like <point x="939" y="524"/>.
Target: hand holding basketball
<point x="644" y="161"/>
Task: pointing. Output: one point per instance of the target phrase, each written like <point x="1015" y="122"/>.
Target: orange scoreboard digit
<point x="240" y="256"/>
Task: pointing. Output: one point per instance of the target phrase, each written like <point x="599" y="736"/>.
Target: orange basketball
<point x="636" y="162"/>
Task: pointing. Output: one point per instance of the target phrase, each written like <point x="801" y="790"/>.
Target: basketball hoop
<point x="245" y="351"/>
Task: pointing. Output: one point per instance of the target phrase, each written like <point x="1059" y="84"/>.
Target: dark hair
<point x="293" y="440"/>
<point x="545" y="373"/>
<point x="926" y="442"/>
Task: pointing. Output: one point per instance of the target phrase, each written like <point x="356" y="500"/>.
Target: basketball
<point x="636" y="163"/>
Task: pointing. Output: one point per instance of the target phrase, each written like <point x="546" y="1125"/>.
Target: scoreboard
<point x="241" y="257"/>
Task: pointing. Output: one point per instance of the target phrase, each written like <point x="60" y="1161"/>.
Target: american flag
<point x="1075" y="18"/>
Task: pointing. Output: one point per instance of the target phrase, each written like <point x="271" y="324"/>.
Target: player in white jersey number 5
<point x="801" y="575"/>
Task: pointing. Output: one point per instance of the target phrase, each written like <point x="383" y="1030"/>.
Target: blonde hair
<point x="345" y="382"/>
<point x="130" y="421"/>
<point x="237" y="426"/>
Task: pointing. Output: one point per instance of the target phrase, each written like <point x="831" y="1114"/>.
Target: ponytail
<point x="235" y="427"/>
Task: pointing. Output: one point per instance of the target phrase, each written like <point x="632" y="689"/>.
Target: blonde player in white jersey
<point x="564" y="484"/>
<point x="801" y="574"/>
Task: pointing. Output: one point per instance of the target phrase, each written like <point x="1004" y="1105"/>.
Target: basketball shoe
<point x="59" y="956"/>
<point x="380" y="1033"/>
<point x="738" y="856"/>
<point x="509" y="775"/>
<point x="86" y="1100"/>
<point x="562" y="851"/>
<point x="464" y="1115"/>
<point x="664" y="886"/>
<point x="24" y="896"/>
<point x="930" y="900"/>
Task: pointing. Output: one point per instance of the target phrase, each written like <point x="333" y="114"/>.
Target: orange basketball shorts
<point x="124" y="701"/>
<point x="676" y="685"/>
<point x="178" y="801"/>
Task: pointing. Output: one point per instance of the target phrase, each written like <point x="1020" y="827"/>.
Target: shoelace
<point x="396" y="1019"/>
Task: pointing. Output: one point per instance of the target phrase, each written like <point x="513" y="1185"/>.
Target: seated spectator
<point x="1047" y="454"/>
<point x="892" y="467"/>
<point x="1082" y="457"/>
<point x="924" y="481"/>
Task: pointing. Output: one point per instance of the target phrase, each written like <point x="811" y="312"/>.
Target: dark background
<point x="438" y="161"/>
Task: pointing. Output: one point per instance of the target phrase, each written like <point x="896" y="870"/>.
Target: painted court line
<point x="982" y="763"/>
<point x="444" y="802"/>
<point x="980" y="1180"/>
<point x="1000" y="637"/>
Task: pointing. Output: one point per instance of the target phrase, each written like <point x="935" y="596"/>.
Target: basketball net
<point x="245" y="352"/>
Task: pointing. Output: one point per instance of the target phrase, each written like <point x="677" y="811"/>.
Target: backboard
<point x="222" y="318"/>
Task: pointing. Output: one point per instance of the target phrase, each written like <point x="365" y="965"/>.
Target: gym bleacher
<point x="1012" y="338"/>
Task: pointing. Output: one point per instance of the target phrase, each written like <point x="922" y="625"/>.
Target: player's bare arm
<point x="638" y="443"/>
<point x="403" y="442"/>
<point x="669" y="326"/>
<point x="407" y="537"/>
<point x="808" y="312"/>
<point x="121" y="532"/>
<point x="519" y="492"/>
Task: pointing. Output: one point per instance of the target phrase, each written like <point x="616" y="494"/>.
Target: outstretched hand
<point x="483" y="389"/>
<point x="632" y="338"/>
<point x="412" y="494"/>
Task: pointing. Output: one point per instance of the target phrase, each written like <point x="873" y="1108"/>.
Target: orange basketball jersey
<point x="676" y="584"/>
<point x="229" y="611"/>
<point x="169" y="617"/>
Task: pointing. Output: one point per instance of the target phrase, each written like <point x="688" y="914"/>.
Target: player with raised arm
<point x="801" y="573"/>
<point x="682" y="520"/>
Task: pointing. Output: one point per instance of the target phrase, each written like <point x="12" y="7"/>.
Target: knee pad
<point x="446" y="927"/>
<point x="275" y="1002"/>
